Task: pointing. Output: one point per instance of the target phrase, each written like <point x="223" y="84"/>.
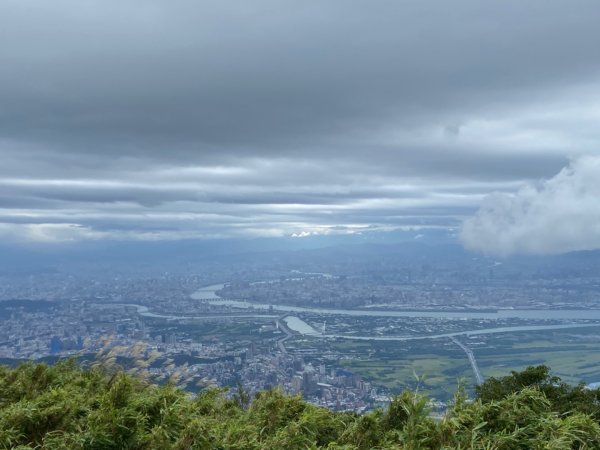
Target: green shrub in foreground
<point x="67" y="407"/>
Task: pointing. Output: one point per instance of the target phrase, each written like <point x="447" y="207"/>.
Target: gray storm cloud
<point x="179" y="119"/>
<point x="558" y="215"/>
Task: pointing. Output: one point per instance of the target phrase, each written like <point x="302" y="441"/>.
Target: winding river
<point x="534" y="314"/>
<point x="294" y="323"/>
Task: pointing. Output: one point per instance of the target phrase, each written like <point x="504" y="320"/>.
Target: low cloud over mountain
<point x="558" y="215"/>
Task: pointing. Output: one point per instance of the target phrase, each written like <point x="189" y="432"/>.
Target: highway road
<point x="472" y="360"/>
<point x="288" y="334"/>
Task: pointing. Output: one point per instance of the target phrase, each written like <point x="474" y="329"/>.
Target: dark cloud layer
<point x="161" y="120"/>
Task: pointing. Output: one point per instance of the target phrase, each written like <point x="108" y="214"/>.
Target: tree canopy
<point x="65" y="407"/>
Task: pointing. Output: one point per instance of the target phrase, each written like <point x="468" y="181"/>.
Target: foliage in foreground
<point x="66" y="407"/>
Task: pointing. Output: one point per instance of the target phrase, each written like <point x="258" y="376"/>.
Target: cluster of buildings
<point x="437" y="294"/>
<point x="110" y="330"/>
<point x="322" y="384"/>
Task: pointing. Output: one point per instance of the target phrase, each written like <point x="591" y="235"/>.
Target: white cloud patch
<point x="558" y="215"/>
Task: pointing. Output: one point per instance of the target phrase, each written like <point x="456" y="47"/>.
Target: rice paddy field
<point x="437" y="365"/>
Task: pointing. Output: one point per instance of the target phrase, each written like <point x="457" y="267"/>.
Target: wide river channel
<point x="208" y="294"/>
<point x="296" y="324"/>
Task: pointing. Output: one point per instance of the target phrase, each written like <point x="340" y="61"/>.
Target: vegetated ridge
<point x="65" y="406"/>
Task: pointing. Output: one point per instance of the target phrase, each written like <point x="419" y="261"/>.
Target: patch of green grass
<point x="439" y="375"/>
<point x="574" y="358"/>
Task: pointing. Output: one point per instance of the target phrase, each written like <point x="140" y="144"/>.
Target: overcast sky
<point x="182" y="119"/>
